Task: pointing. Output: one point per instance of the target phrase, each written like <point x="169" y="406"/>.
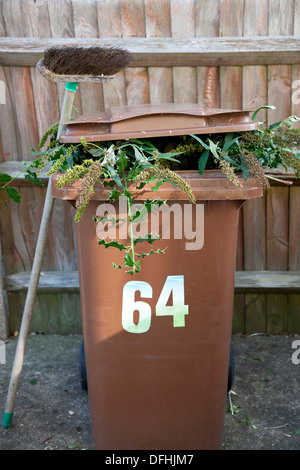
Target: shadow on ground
<point x="52" y="411"/>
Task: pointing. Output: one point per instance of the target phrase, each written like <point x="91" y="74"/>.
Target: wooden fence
<point x="238" y="54"/>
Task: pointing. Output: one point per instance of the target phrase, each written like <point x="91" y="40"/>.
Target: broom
<point x="70" y="65"/>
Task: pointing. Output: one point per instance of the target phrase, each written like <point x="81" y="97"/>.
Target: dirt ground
<point x="52" y="410"/>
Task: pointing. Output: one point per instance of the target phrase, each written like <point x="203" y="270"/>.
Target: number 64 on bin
<point x="173" y="284"/>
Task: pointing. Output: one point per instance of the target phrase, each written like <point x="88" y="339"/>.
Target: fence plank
<point x="255" y="76"/>
<point x="277" y="254"/>
<point x="255" y="95"/>
<point x="10" y="144"/>
<point x="281" y="17"/>
<point x="294" y="229"/>
<point x="109" y="21"/>
<point x="35" y="18"/>
<point x="61" y="26"/>
<point x="12" y="16"/>
<point x="45" y="101"/>
<point x="11" y="259"/>
<point x="230" y="90"/>
<point x="183" y="25"/>
<point x="85" y="22"/>
<point x="20" y="84"/>
<point x="208" y="80"/>
<point x="24" y="110"/>
<point x="134" y="25"/>
<point x="158" y="24"/>
<point x="2" y="24"/>
<point x="254" y="229"/>
<point x="238" y="320"/>
<point x="295" y="105"/>
<point x="296" y="67"/>
<point x="277" y="314"/>
<point x="85" y="19"/>
<point x="294" y="258"/>
<point x="47" y="317"/>
<point x="231" y="76"/>
<point x="255" y="257"/>
<point x="281" y="22"/>
<point x="279" y="92"/>
<point x="60" y="17"/>
<point x="293" y="321"/>
<point x="277" y="223"/>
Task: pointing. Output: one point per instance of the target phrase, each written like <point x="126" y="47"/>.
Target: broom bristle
<point x="74" y="60"/>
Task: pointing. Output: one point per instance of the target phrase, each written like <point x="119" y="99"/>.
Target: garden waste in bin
<point x="157" y="343"/>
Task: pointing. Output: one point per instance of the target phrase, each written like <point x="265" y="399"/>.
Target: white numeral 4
<point x="174" y="285"/>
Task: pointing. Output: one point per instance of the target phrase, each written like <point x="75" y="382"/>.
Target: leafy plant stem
<point x="130" y="222"/>
<point x="277" y="179"/>
<point x="131" y="231"/>
<point x="17" y="176"/>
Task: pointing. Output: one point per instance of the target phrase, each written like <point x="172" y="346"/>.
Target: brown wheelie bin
<point x="157" y="344"/>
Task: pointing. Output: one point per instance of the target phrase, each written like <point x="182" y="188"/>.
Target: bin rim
<point x="212" y="185"/>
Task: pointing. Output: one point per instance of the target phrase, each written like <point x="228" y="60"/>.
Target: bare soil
<point x="52" y="410"/>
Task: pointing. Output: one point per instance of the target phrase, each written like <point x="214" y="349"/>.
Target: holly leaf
<point x="128" y="260"/>
<point x="147" y="238"/>
<point x="33" y="178"/>
<point x="5" y="178"/>
<point x="136" y="268"/>
<point x="13" y="194"/>
<point x="117" y="266"/>
<point x="114" y="195"/>
<point x="108" y="183"/>
<point x="113" y="244"/>
<point x="154" y="202"/>
<point x="157" y="186"/>
<point x="151" y="252"/>
<point x="105" y="218"/>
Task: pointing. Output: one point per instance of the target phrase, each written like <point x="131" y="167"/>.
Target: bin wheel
<point x="231" y="369"/>
<point x="82" y="368"/>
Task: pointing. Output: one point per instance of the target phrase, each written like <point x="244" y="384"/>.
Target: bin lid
<point x="155" y="120"/>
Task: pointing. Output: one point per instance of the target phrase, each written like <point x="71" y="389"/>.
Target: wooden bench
<point x="245" y="282"/>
